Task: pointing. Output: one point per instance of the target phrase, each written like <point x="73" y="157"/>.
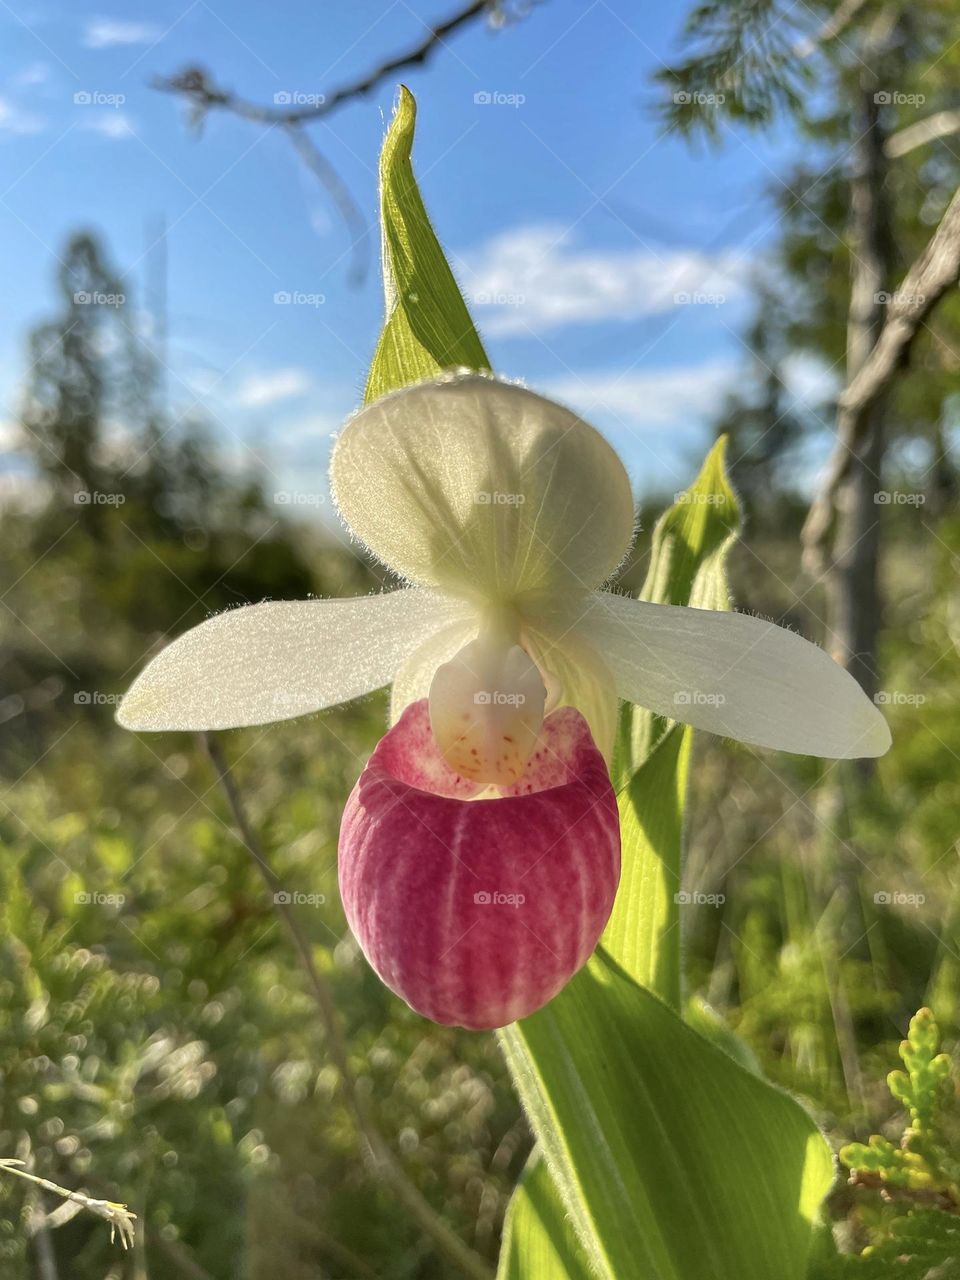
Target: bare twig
<point x="379" y="1155"/>
<point x="939" y="125"/>
<point x="934" y="272"/>
<point x="204" y="94"/>
<point x="838" y="21"/>
<point x="348" y="208"/>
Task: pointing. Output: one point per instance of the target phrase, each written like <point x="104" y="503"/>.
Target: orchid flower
<point x="479" y="852"/>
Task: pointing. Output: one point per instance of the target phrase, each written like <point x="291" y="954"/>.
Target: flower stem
<point x="378" y="1154"/>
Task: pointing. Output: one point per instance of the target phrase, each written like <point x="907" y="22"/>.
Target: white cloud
<point x="14" y="119"/>
<point x="104" y="33"/>
<point x="33" y="74"/>
<point x="268" y="388"/>
<point x="109" y="124"/>
<point x="535" y="278"/>
<point x="680" y="396"/>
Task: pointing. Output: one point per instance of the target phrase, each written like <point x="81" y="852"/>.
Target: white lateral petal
<point x="415" y="674"/>
<point x="484" y="489"/>
<point x="579" y="677"/>
<point x="733" y="674"/>
<point x="281" y="659"/>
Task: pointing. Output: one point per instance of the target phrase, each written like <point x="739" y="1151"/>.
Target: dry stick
<point x="204" y="95"/>
<point x="838" y="21"/>
<point x="353" y="219"/>
<point x="934" y="272"/>
<point x="119" y="1217"/>
<point x="940" y="125"/>
<point x="383" y="1161"/>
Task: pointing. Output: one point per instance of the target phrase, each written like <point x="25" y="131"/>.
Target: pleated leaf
<point x="671" y="1161"/>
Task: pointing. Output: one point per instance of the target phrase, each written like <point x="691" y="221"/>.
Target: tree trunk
<point x="853" y="582"/>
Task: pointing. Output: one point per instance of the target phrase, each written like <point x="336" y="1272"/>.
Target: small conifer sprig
<point x="921" y="1166"/>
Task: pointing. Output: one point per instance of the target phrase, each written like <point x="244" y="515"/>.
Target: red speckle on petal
<point x="478" y="911"/>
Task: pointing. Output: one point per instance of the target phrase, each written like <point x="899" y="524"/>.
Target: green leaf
<point x="688" y="556"/>
<point x="705" y="1019"/>
<point x="692" y="538"/>
<point x="673" y="1162"/>
<point x="428" y="328"/>
<point x="643" y="933"/>
<point x="538" y="1239"/>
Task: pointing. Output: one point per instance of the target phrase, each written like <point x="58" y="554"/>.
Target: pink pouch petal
<point x="478" y="911"/>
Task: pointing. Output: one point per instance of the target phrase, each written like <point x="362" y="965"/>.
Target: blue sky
<point x="573" y="223"/>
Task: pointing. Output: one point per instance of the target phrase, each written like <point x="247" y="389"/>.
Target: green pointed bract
<point x="428" y="328"/>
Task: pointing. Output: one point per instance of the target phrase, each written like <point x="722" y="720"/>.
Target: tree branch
<point x="379" y="1156"/>
<point x="934" y="272"/>
<point x="940" y="125"/>
<point x="204" y="94"/>
<point x="838" y="21"/>
<point x="348" y="208"/>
